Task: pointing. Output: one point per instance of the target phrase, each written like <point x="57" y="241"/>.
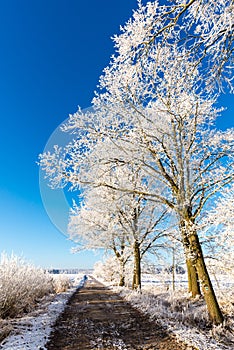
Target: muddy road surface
<point x="97" y="318"/>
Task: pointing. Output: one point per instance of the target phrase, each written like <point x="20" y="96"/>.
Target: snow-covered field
<point x="32" y="331"/>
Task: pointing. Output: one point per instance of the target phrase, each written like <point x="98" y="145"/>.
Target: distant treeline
<point x="69" y="271"/>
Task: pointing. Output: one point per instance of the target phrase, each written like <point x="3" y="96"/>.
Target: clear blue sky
<point x="52" y="53"/>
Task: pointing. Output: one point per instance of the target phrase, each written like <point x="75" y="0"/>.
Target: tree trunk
<point x="173" y="269"/>
<point x="193" y="282"/>
<point x="198" y="261"/>
<point x="137" y="267"/>
<point x="122" y="273"/>
<point x="121" y="281"/>
<point x="134" y="278"/>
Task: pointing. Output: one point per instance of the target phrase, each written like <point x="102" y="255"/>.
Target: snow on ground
<point x="158" y="310"/>
<point x="185" y="318"/>
<point x="31" y="332"/>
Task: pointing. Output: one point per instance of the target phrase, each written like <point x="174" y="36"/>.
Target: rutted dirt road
<point x="97" y="318"/>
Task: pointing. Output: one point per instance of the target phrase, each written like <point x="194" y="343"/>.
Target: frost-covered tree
<point x="125" y="223"/>
<point x="107" y="269"/>
<point x="203" y="28"/>
<point x="155" y="111"/>
<point x="170" y="137"/>
<point x="175" y="257"/>
<point x="218" y="231"/>
<point x="95" y="225"/>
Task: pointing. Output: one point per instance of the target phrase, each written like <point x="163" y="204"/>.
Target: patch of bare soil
<point x="98" y="318"/>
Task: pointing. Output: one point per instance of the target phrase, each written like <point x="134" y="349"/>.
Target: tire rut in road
<point x="97" y="318"/>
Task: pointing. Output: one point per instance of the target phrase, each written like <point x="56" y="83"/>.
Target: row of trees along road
<point x="154" y="114"/>
<point x="125" y="223"/>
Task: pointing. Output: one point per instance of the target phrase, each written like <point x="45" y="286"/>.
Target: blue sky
<point x="52" y="53"/>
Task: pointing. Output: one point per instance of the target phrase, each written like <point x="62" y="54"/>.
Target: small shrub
<point x="21" y="285"/>
<point x="61" y="283"/>
<point x="5" y="329"/>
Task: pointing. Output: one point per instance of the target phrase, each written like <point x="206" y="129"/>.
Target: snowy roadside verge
<point x="187" y="319"/>
<point x="158" y="312"/>
<point x="32" y="331"/>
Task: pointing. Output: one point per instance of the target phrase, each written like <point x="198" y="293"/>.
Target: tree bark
<point x="173" y="269"/>
<point x="122" y="273"/>
<point x="193" y="281"/>
<point x="198" y="261"/>
<point x="137" y="267"/>
<point x="121" y="281"/>
<point x="122" y="263"/>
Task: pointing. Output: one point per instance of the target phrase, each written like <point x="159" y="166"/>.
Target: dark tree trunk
<point x="122" y="273"/>
<point x="173" y="269"/>
<point x="198" y="261"/>
<point x="193" y="281"/>
<point x="137" y="267"/>
<point x="122" y="281"/>
<point x="195" y="258"/>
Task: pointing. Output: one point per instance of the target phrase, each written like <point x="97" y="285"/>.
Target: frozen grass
<point x="61" y="283"/>
<point x="21" y="286"/>
<point x="32" y="330"/>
